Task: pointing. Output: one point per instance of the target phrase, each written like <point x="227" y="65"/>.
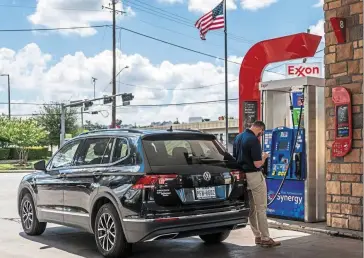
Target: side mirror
<point x="40" y="165"/>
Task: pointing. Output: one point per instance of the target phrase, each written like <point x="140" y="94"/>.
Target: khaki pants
<point x="257" y="189"/>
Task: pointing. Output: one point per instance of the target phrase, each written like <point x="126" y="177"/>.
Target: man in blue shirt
<point x="247" y="151"/>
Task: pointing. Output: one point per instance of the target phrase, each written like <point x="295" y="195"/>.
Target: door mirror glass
<point x="40" y="165"/>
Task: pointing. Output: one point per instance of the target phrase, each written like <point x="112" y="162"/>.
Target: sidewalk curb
<point x="337" y="233"/>
<point x="16" y="171"/>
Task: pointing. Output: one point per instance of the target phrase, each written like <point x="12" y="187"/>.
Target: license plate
<point x="205" y="193"/>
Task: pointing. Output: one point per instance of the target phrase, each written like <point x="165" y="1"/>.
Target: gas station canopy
<point x="288" y="84"/>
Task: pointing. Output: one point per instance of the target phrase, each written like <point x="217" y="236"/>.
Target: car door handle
<point x="97" y="173"/>
<point x="62" y="175"/>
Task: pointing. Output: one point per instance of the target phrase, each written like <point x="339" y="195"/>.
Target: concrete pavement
<point x="63" y="242"/>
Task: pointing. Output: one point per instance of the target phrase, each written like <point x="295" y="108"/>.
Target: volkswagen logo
<point x="207" y="176"/>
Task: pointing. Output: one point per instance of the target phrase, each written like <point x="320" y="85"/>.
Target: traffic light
<point x="127" y="97"/>
<point x="88" y="104"/>
<point x="108" y="100"/>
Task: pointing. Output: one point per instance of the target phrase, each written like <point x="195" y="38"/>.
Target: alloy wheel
<point x="27" y="214"/>
<point x="106" y="232"/>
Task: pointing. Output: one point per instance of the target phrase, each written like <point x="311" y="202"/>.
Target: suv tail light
<point x="152" y="180"/>
<point x="238" y="175"/>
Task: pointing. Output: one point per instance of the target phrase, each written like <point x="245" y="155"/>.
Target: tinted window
<point x="65" y="156"/>
<point x="121" y="149"/>
<point x="95" y="151"/>
<point x="162" y="152"/>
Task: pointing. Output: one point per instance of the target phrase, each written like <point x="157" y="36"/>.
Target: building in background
<point x="213" y="127"/>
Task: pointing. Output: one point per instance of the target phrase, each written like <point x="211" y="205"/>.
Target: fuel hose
<point x="293" y="149"/>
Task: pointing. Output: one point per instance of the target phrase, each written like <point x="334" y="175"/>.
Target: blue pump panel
<point x="279" y="142"/>
<point x="267" y="147"/>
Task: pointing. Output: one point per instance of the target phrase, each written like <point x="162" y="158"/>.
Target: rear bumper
<point x="144" y="230"/>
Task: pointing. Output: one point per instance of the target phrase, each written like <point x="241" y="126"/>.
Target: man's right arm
<point x="256" y="153"/>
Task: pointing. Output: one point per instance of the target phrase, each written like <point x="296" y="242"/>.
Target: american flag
<point x="212" y="20"/>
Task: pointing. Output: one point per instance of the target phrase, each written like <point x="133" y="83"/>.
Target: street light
<point x="126" y="67"/>
<point x="8" y="92"/>
<point x="94" y="81"/>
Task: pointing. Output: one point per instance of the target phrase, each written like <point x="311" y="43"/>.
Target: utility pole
<point x="82" y="119"/>
<point x="113" y="115"/>
<point x="63" y="124"/>
<point x="114" y="11"/>
<point x="9" y="104"/>
<point x="94" y="81"/>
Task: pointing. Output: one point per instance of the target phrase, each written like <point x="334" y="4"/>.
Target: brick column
<point x="344" y="67"/>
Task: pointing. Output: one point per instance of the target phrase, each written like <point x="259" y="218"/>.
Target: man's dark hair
<point x="259" y="124"/>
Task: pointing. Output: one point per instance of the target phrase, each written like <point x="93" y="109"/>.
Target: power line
<point x="144" y="7"/>
<point x="173" y="89"/>
<point x="55" y="29"/>
<point x="141" y="6"/>
<point x="180" y="104"/>
<point x="181" y="47"/>
<point x="55" y="8"/>
<point x="29" y="103"/>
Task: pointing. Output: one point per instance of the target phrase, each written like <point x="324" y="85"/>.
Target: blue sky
<point x="36" y="77"/>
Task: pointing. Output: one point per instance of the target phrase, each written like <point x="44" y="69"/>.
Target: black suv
<point x="131" y="186"/>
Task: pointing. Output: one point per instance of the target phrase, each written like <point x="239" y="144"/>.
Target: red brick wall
<point x="344" y="67"/>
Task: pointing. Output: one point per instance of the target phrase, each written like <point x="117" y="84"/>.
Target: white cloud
<point x="254" y="5"/>
<point x="203" y="6"/>
<point x="318" y="28"/>
<point x="171" y="1"/>
<point x="70" y="79"/>
<point x="73" y="13"/>
<point x="319" y="4"/>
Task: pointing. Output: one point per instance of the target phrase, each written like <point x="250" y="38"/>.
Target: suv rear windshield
<point x="184" y="149"/>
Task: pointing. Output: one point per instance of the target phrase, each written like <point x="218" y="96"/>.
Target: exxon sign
<point x="304" y="70"/>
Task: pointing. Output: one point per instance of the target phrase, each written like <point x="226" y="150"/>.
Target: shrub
<point x="4" y="154"/>
<point x="34" y="153"/>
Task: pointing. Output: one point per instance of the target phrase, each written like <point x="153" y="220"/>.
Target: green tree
<point x="23" y="133"/>
<point x="50" y="119"/>
<point x="93" y="126"/>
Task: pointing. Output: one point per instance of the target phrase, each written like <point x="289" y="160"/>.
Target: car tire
<point x="109" y="235"/>
<point x="215" y="238"/>
<point x="28" y="217"/>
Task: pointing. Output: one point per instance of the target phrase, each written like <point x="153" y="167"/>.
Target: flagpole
<point x="226" y="84"/>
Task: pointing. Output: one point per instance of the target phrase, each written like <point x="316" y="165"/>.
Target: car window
<point x="185" y="149"/>
<point x="121" y="149"/>
<point x="95" y="151"/>
<point x="65" y="156"/>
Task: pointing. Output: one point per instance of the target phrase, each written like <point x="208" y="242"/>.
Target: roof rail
<point x="112" y="130"/>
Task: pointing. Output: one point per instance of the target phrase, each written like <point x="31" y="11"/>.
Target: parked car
<point x="132" y="186"/>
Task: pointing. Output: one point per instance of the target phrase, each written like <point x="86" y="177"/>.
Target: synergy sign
<point x="304" y="70"/>
<point x="290" y="202"/>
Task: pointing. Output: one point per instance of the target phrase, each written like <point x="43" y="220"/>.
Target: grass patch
<point x="15" y="167"/>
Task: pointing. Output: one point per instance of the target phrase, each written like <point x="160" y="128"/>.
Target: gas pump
<point x="294" y="114"/>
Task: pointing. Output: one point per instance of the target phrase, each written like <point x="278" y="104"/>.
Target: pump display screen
<point x="342" y="114"/>
<point x="283" y="145"/>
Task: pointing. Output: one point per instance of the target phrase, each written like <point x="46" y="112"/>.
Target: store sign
<point x="304" y="70"/>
